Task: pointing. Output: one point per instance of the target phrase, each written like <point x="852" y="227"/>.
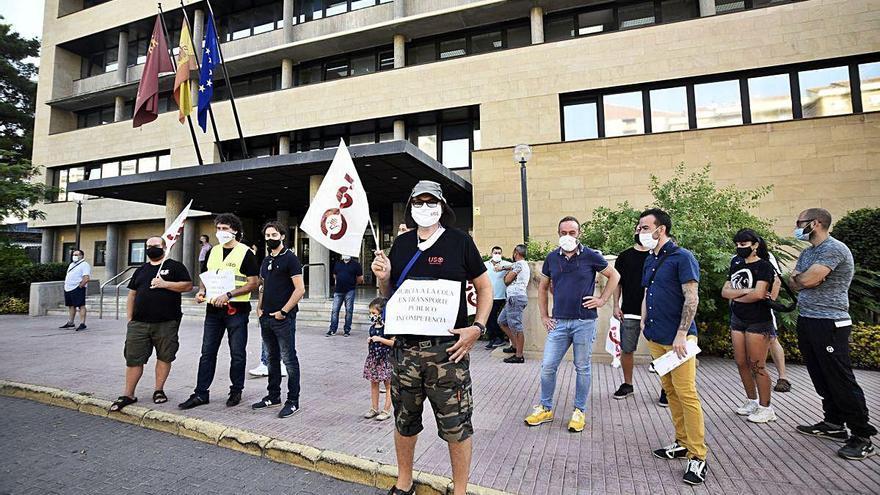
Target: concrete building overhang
<point x="257" y="186"/>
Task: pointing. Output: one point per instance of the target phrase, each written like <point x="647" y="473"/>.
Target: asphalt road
<point x="46" y="449"/>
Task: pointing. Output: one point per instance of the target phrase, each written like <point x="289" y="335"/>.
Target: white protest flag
<point x="612" y="342"/>
<point x="339" y="213"/>
<point x="172" y="234"/>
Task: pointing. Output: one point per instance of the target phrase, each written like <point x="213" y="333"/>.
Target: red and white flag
<point x="172" y="234"/>
<point x="470" y="296"/>
<point x="612" y="341"/>
<point x="339" y="213"/>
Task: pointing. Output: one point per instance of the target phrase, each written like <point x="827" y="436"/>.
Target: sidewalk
<point x="611" y="456"/>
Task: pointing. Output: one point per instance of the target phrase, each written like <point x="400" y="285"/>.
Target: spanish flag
<point x="186" y="62"/>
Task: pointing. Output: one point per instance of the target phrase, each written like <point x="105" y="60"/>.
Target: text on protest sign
<point x="423" y="307"/>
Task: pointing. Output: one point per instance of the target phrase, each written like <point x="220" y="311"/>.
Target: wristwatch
<point x="229" y="295"/>
<point x="480" y="326"/>
<point x="283" y="313"/>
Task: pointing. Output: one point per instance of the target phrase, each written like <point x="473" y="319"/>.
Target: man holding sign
<point x="427" y="365"/>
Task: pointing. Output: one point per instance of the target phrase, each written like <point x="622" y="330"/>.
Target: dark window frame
<point x="100" y="247"/>
<point x="375" y="52"/>
<point x="468" y="35"/>
<point x="131" y="243"/>
<point x="67" y="251"/>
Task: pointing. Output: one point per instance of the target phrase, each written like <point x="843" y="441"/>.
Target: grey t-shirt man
<point x="830" y="299"/>
<point x="519" y="285"/>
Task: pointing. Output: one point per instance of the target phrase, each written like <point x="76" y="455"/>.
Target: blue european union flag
<point x="210" y="58"/>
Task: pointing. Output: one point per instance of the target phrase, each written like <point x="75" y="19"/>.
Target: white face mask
<point x="75" y="258"/>
<point x="568" y="243"/>
<point x="346" y="259"/>
<point x="496" y="258"/>
<point x="648" y="240"/>
<point x="425" y="216"/>
<point x="223" y="236"/>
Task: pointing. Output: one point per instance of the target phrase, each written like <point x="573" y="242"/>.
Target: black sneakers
<point x="397" y="491"/>
<point x="624" y="391"/>
<point x="514" y="359"/>
<point x="509" y="349"/>
<point x="69" y="324"/>
<point x="663" y="401"/>
<point x="234" y="399"/>
<point x="266" y="402"/>
<point x="824" y="430"/>
<point x="673" y="451"/>
<point x="82" y="326"/>
<point x="193" y="401"/>
<point x="856" y="449"/>
<point x="288" y="410"/>
<point x="696" y="472"/>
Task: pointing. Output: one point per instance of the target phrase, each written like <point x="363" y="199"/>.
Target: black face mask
<point x="636" y="239"/>
<point x="273" y="244"/>
<point x="744" y="252"/>
<point x="155" y="252"/>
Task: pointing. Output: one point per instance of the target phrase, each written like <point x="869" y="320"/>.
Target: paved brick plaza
<point x="611" y="456"/>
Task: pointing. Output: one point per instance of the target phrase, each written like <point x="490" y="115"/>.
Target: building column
<point x="399" y="130"/>
<point x="287" y="19"/>
<point x="198" y="32"/>
<point x="398" y="210"/>
<point x="174" y="203"/>
<point x="189" y="247"/>
<point x="537" y="17"/>
<point x="283" y="217"/>
<point x="111" y="251"/>
<point x="122" y="57"/>
<point x="119" y="109"/>
<point x="286" y="73"/>
<point x="319" y="278"/>
<point x="283" y="144"/>
<point x="47" y="246"/>
<point x="707" y="8"/>
<point x="399" y="51"/>
<point x="399" y="9"/>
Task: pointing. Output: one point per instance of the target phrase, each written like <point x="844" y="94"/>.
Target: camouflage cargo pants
<point x="422" y="369"/>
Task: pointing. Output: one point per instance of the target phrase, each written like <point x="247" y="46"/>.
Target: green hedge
<point x="16" y="281"/>
<point x="864" y="344"/>
<point x="13" y="306"/>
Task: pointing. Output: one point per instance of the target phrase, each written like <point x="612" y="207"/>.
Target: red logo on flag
<point x="333" y="223"/>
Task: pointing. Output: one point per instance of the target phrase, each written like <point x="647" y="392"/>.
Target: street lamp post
<point x="79" y="208"/>
<point x="521" y="154"/>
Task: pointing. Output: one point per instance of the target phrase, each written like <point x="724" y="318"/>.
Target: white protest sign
<point x="217" y="283"/>
<point x="423" y="307"/>
<point x="612" y="342"/>
<point x="669" y="361"/>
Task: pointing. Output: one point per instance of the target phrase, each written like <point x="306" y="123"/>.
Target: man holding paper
<point x="671" y="276"/>
<point x="439" y="260"/>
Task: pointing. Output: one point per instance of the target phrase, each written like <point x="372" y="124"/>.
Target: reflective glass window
<point x="624" y="114"/>
<point x="718" y="104"/>
<point x="669" y="109"/>
<point x="825" y="92"/>
<point x="770" y="98"/>
<point x="869" y="75"/>
<point x="580" y="121"/>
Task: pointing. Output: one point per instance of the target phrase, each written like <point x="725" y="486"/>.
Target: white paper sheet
<point x="669" y="361"/>
<point x="423" y="307"/>
<point x="217" y="283"/>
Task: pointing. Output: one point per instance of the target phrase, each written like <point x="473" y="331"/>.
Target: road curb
<point x="334" y="464"/>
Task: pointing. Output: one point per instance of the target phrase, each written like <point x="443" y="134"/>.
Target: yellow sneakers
<point x="540" y="415"/>
<point x="578" y="420"/>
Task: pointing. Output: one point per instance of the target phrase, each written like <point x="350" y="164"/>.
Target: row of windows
<point x="766" y="95"/>
<point x="61" y="177"/>
<point x="137" y="252"/>
<point x="107" y="59"/>
<point x="475" y="42"/>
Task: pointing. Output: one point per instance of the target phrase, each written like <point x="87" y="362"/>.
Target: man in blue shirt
<point x="348" y="274"/>
<point x="671" y="277"/>
<point x="572" y="269"/>
<point x="497" y="268"/>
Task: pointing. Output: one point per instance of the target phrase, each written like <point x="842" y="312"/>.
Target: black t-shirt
<point x="746" y="276"/>
<point x="630" y="264"/>
<point x="249" y="268"/>
<point x="347" y="275"/>
<point x="454" y="256"/>
<point x="157" y="305"/>
<point x="277" y="281"/>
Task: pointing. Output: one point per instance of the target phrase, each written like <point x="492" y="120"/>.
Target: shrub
<point x="16" y="281"/>
<point x="865" y="346"/>
<point x="12" y="255"/>
<point x="852" y="230"/>
<point x="13" y="305"/>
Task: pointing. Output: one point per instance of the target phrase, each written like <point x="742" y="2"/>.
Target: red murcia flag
<point x="146" y="107"/>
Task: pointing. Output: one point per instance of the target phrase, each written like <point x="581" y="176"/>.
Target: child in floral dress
<point x="377" y="368"/>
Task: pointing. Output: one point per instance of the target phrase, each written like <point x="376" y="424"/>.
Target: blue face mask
<point x="802" y="234"/>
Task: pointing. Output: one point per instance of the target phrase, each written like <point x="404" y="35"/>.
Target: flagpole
<point x="192" y="130"/>
<point x="199" y="68"/>
<point x="373" y="231"/>
<point x="228" y="84"/>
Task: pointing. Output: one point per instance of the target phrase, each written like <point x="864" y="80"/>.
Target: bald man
<point x="153" y="320"/>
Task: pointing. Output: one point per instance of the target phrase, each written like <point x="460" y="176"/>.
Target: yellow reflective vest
<point x="233" y="262"/>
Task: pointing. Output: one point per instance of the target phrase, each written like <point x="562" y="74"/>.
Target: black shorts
<point x="763" y="327"/>
<point x="75" y="297"/>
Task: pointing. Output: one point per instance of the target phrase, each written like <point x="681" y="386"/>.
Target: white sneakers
<point x="263" y="370"/>
<point x="748" y="408"/>
<point x="763" y="415"/>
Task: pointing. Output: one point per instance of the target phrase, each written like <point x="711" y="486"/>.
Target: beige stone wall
<point x="89" y="234"/>
<point x="832" y="163"/>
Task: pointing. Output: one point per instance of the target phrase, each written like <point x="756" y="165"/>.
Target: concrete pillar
<point x="122" y="57"/>
<point x="399" y="9"/>
<point x="286" y="73"/>
<point x="397" y="212"/>
<point x="111" y="251"/>
<point x="287" y="19"/>
<point x="707" y="8"/>
<point x="283" y="144"/>
<point x="399" y="51"/>
<point x="198" y="32"/>
<point x="47" y="246"/>
<point x="283" y="217"/>
<point x="119" y="109"/>
<point x="174" y="203"/>
<point x="537" y="17"/>
<point x="188" y="242"/>
<point x="399" y="130"/>
<point x="319" y="278"/>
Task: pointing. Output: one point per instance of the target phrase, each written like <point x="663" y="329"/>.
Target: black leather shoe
<point x="193" y="401"/>
<point x="234" y="399"/>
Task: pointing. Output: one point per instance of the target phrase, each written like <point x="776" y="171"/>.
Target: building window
<point x="100" y="253"/>
<point x="579" y="121"/>
<point x="869" y="78"/>
<point x="597" y="21"/>
<point x="559" y="29"/>
<point x="718" y="104"/>
<point x="456" y="145"/>
<point x="724" y="6"/>
<point x="137" y="251"/>
<point x="355" y="64"/>
<point x="624" y="114"/>
<point x="61" y="177"/>
<point x="678" y="10"/>
<point x="67" y="251"/>
<point x="669" y="109"/>
<point x="636" y="15"/>
<point x="825" y="92"/>
<point x="770" y="98"/>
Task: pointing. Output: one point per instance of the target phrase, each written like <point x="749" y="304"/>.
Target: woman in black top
<point x="752" y="278"/>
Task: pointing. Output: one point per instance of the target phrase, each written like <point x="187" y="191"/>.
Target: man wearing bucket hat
<point x="434" y="368"/>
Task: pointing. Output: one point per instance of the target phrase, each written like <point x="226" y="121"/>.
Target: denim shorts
<point x="629" y="335"/>
<point x="764" y="327"/>
<point x="512" y="314"/>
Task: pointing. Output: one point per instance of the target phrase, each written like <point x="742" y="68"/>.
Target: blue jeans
<point x="279" y="340"/>
<point x="338" y="298"/>
<point x="216" y="323"/>
<point x="581" y="334"/>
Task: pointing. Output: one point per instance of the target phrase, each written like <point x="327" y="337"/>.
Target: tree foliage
<point x="18" y="192"/>
<point x="18" y="90"/>
<point x="854" y="230"/>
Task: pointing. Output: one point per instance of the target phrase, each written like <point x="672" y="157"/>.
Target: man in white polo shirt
<point x="75" y="282"/>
